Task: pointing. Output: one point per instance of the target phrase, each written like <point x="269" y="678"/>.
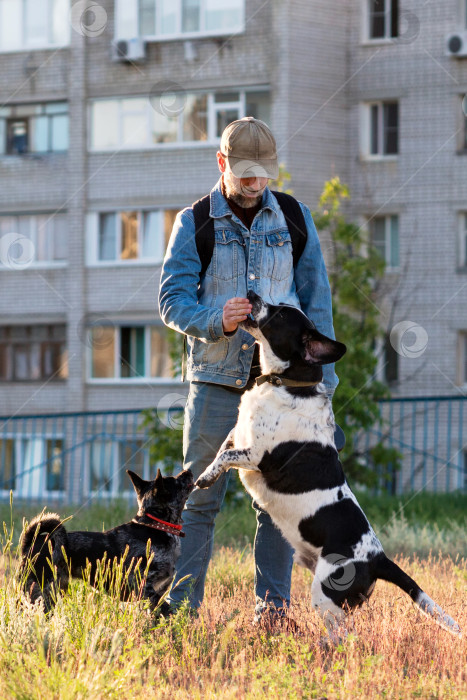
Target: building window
<point x="463" y="240"/>
<point x="385" y="238"/>
<point x="34" y="24"/>
<point x="384" y="128"/>
<point x="383" y="17"/>
<point x="47" y="233"/>
<point x="136" y="122"/>
<point x="108" y="462"/>
<point x="31" y="466"/>
<point x="7" y="464"/>
<point x="387" y="368"/>
<point x="128" y="352"/>
<point x="128" y="236"/>
<point x="34" y="128"/>
<point x="33" y="353"/>
<point x="463" y="145"/>
<point x="54" y="465"/>
<point x="462" y="356"/>
<point x="391" y="362"/>
<point x="168" y="19"/>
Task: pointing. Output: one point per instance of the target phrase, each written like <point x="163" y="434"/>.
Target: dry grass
<point x="94" y="647"/>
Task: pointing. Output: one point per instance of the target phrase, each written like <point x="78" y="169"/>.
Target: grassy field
<point x="92" y="646"/>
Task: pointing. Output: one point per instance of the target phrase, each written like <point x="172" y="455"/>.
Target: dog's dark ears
<point x="159" y="479"/>
<point x="321" y="350"/>
<point x="141" y="485"/>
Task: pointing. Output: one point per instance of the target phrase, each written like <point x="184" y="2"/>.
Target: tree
<point x="354" y="273"/>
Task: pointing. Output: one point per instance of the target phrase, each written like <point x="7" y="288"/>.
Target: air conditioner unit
<point x="456" y="44"/>
<point x="129" y="50"/>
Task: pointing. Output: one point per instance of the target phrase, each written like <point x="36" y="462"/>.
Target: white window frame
<point x="117" y="378"/>
<point x="463" y="125"/>
<point x="462" y="240"/>
<point x="131" y="29"/>
<point x="33" y="231"/>
<point x="31" y="345"/>
<point x="388" y="239"/>
<point x="462" y="358"/>
<point x="92" y="235"/>
<point x="382" y="362"/>
<point x="215" y="107"/>
<point x="33" y="484"/>
<point x="365" y="25"/>
<point x="8" y="112"/>
<point x="23" y="46"/>
<point x="114" y="491"/>
<point x="365" y="131"/>
<point x="212" y="109"/>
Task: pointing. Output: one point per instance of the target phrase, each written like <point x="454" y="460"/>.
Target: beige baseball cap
<point x="250" y="148"/>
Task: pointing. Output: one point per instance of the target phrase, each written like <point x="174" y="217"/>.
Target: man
<point x="252" y="250"/>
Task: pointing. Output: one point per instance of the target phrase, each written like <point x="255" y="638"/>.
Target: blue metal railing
<point x="431" y="436"/>
<point x="82" y="457"/>
<point x="73" y="457"/>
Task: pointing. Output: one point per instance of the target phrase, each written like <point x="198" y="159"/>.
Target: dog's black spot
<point x="337" y="528"/>
<point x="298" y="467"/>
<point x="340" y="495"/>
<point x="351" y="584"/>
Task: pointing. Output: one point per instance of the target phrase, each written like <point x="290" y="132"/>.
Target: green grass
<point x="418" y="509"/>
<point x="408" y="524"/>
<point x="92" y="646"/>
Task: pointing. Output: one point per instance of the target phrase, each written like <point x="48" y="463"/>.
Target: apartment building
<point x="110" y="118"/>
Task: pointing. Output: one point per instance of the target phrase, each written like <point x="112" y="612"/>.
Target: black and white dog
<point x="283" y="446"/>
<point x="50" y="554"/>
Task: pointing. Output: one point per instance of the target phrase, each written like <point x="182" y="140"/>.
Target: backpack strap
<point x="295" y="223"/>
<point x="204" y="227"/>
<point x="204" y="232"/>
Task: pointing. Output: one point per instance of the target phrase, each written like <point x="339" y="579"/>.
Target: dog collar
<point x="162" y="525"/>
<point x="278" y="380"/>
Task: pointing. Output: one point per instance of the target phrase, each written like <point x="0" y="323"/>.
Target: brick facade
<point x="310" y="55"/>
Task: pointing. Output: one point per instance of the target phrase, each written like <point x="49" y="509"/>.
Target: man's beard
<point x="237" y="197"/>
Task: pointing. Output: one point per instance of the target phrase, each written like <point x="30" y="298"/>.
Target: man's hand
<point x="235" y="310"/>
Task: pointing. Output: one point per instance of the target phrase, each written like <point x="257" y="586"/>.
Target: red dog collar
<point x="162" y="525"/>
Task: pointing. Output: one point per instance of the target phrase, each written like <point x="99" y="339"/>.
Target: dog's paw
<point x="205" y="480"/>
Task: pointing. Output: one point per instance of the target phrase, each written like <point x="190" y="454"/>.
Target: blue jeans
<point x="211" y="412"/>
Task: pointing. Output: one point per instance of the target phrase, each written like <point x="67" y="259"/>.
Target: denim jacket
<point x="260" y="260"/>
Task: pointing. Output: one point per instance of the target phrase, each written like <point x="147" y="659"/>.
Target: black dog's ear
<point x="321" y="350"/>
<point x="159" y="480"/>
<point x="139" y="484"/>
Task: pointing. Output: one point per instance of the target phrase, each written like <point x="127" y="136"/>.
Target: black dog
<point x="160" y="505"/>
<point x="283" y="446"/>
